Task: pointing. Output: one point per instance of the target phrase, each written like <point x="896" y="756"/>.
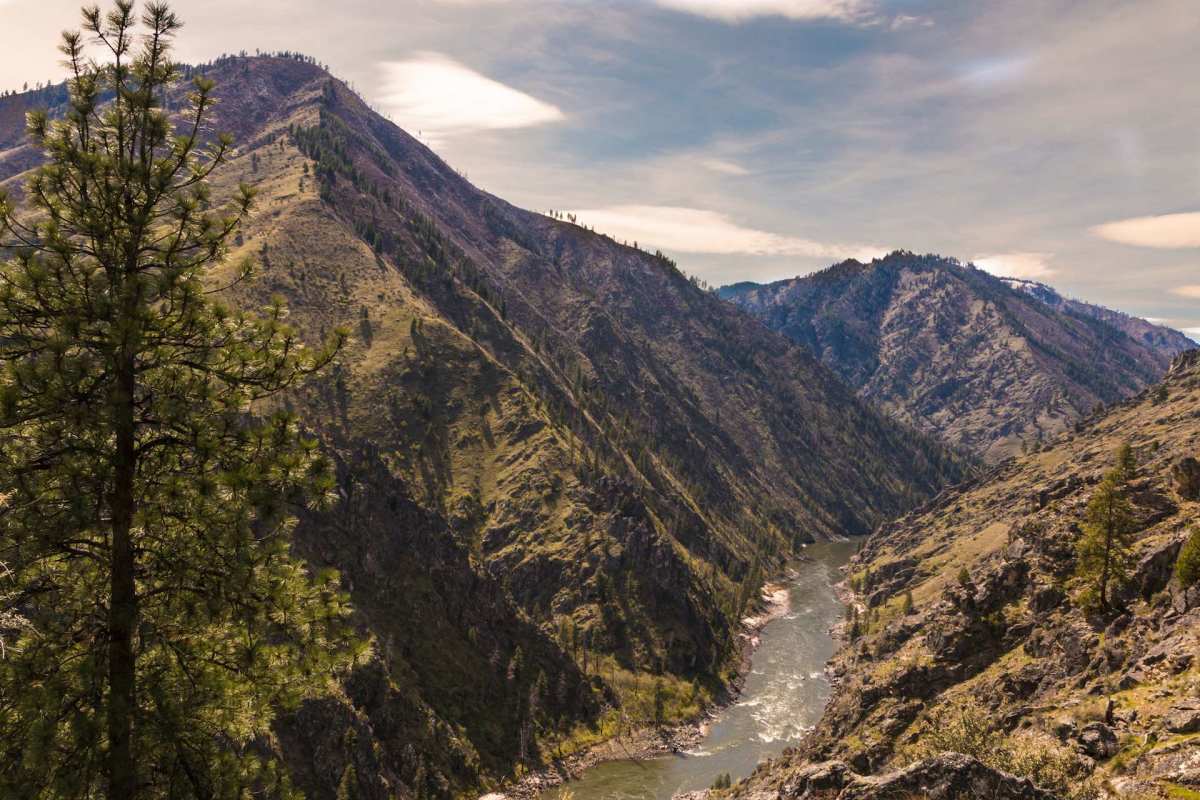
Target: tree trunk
<point x="122" y="609"/>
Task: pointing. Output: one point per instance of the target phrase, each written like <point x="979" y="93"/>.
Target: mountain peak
<point x="563" y="431"/>
<point x="992" y="364"/>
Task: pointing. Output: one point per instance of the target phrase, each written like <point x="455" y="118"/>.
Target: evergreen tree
<point x="1126" y="463"/>
<point x="144" y="510"/>
<point x="1104" y="549"/>
<point x="660" y="702"/>
<point x="1187" y="566"/>
<point x="348" y="786"/>
<point x="964" y="578"/>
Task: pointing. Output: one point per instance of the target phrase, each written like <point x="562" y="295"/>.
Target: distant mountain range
<point x="562" y="465"/>
<point x="1157" y="337"/>
<point x="990" y="364"/>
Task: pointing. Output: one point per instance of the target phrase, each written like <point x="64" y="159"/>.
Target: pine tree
<point x="907" y="607"/>
<point x="1187" y="565"/>
<point x="348" y="786"/>
<point x="1103" y="551"/>
<point x="146" y="487"/>
<point x="1126" y="463"/>
<point x="964" y="578"/>
<point x="660" y="702"/>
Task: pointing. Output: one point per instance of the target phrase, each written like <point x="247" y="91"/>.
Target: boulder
<point x="1185" y="478"/>
<point x="1098" y="741"/>
<point x="1183" y="599"/>
<point x="827" y="776"/>
<point x="1183" y="719"/>
<point x="1152" y="572"/>
<point x="1132" y="678"/>
<point x="1063" y="728"/>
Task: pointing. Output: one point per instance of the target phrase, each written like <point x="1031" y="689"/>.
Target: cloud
<point x="902" y="21"/>
<point x="1193" y="334"/>
<point x="984" y="73"/>
<point x="694" y="230"/>
<point x="1164" y="231"/>
<point x="741" y="10"/>
<point x="1192" y="291"/>
<point x="1017" y="265"/>
<point x="724" y="167"/>
<point x="440" y="97"/>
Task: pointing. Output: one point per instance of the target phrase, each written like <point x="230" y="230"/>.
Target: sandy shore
<point x="650" y="742"/>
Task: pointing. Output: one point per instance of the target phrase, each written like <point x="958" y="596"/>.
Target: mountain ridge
<point x="562" y="467"/>
<point x="961" y="353"/>
<point x="1160" y="337"/>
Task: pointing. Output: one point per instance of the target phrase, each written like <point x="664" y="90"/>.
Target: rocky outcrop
<point x="950" y="776"/>
<point x="1098" y="741"/>
<point x="1183" y="718"/>
<point x="1185" y="477"/>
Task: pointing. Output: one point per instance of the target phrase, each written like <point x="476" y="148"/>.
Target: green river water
<point x="783" y="697"/>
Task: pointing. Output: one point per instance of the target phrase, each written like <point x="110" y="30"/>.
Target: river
<point x="783" y="697"/>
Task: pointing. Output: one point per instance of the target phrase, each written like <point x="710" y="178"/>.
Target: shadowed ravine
<point x="784" y="695"/>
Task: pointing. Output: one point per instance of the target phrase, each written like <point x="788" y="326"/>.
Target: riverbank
<point x="649" y="742"/>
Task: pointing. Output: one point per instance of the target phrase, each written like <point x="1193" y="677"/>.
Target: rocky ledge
<point x="949" y="776"/>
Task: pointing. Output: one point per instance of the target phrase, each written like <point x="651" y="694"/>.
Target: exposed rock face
<point x="953" y="350"/>
<point x="950" y="776"/>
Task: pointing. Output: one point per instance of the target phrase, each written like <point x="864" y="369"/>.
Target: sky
<point x="1057" y="140"/>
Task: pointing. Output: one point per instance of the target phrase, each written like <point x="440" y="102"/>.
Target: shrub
<point x="964" y="578"/>
<point x="965" y="728"/>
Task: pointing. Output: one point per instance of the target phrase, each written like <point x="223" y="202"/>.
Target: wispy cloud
<point x="1164" y="231"/>
<point x="741" y="10"/>
<point x="989" y="72"/>
<point x="902" y="21"/>
<point x="695" y="230"/>
<point x="1192" y="291"/>
<point x="1032" y="266"/>
<point x="440" y="97"/>
<point x="724" y="167"/>
<point x="1193" y="334"/>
